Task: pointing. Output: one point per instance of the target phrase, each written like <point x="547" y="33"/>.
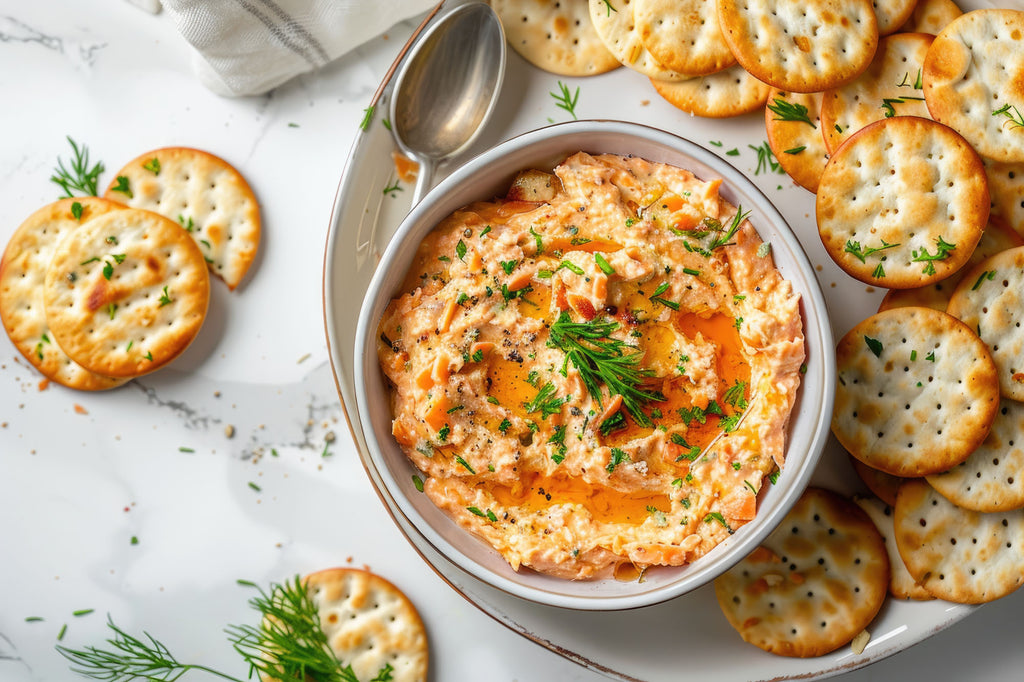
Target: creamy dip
<point x="597" y="370"/>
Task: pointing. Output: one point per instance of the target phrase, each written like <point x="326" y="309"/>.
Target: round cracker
<point x="204" y="194"/>
<point x="973" y="78"/>
<point x="558" y="37"/>
<point x="917" y="391"/>
<point x="883" y="485"/>
<point x="931" y="16"/>
<point x="683" y="35"/>
<point x="956" y="554"/>
<point x="902" y="203"/>
<point x="901" y="584"/>
<point x="1006" y="189"/>
<point x="990" y="300"/>
<point x="22" y="275"/>
<point x="892" y="14"/>
<point x="992" y="478"/>
<point x="370" y="624"/>
<point x="731" y="92"/>
<point x="997" y="237"/>
<point x="797" y="142"/>
<point x="817" y="581"/>
<point x="618" y="31"/>
<point x="890" y="86"/>
<point x="126" y="292"/>
<point x="800" y="47"/>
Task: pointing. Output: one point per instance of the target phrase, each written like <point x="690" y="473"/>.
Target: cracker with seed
<point x="998" y="236"/>
<point x="890" y="86"/>
<point x="931" y="16"/>
<point x="727" y="93"/>
<point x="917" y="391"/>
<point x="202" y="193"/>
<point x="902" y="203"/>
<point x="683" y="35"/>
<point x="370" y="624"/>
<point x="557" y="37"/>
<point x="22" y="275"/>
<point x="990" y="300"/>
<point x="901" y="584"/>
<point x="801" y="46"/>
<point x="793" y="123"/>
<point x="816" y="582"/>
<point x="126" y="292"/>
<point x="956" y="554"/>
<point x="892" y="14"/>
<point x="883" y="485"/>
<point x="1006" y="189"/>
<point x="617" y="29"/>
<point x="972" y="81"/>
<point x="992" y="478"/>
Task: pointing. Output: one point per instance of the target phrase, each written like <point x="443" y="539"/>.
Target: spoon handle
<point x="423" y="179"/>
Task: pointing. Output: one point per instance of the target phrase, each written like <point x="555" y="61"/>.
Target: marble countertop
<point x="147" y="503"/>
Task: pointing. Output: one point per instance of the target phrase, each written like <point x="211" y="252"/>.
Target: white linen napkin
<point x="246" y="47"/>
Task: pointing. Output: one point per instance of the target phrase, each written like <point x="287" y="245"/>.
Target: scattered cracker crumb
<point x="870" y="290"/>
<point x="644" y="102"/>
<point x="229" y="431"/>
<point x="216" y="394"/>
<point x="44" y="384"/>
<point x="329" y="437"/>
<point x="302" y="359"/>
<point x="80" y="410"/>
<point x="860" y="642"/>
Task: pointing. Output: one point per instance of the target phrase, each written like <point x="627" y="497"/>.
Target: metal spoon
<point x="447" y="88"/>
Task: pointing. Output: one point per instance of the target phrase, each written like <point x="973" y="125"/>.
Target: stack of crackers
<point x="906" y="119"/>
<point x="95" y="291"/>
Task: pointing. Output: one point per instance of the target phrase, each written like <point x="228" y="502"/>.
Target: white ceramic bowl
<point x="489" y="175"/>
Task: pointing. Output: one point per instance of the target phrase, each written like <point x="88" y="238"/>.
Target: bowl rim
<point x="553" y="141"/>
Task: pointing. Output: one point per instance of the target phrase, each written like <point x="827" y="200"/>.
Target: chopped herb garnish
<point x="571" y="267"/>
<point x="565" y="99"/>
<point x="460" y="250"/>
<point x="417" y="483"/>
<point x="691" y="271"/>
<point x="82" y="612"/>
<point x="790" y="111"/>
<point x="794" y="150"/>
<point x="766" y="160"/>
<point x="508" y="266"/>
<point x="1016" y="120"/>
<point x="76" y="210"/>
<point x="122" y="186"/>
<point x="153" y="166"/>
<point x="987" y="275"/>
<point x="185" y="449"/>
<point x="608" y="7"/>
<point x="465" y="464"/>
<point x="930" y="357"/>
<point x="716" y="143"/>
<point x="618" y="457"/>
<point x="656" y="297"/>
<point x="367" y="117"/>
<point x="716" y="516"/>
<point x="255" y="487"/>
<point x="392" y="188"/>
<point x="942" y="250"/>
<point x="774" y="477"/>
<point x="605" y="266"/>
<point x="874" y="345"/>
<point x="764" y="249"/>
<point x="545" y="402"/>
<point x="861" y="253"/>
<point x="165" y="298"/>
<point x="504" y="425"/>
<point x="442" y="435"/>
<point x="487" y="228"/>
<point x="733" y="152"/>
<point x="691" y="451"/>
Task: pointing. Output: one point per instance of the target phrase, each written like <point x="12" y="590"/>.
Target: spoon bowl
<point x="447" y="88"/>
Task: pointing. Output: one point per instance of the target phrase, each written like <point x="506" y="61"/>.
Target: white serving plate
<point x="687" y="633"/>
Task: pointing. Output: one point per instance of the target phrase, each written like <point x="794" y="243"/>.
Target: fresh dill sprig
<point x="601" y="359"/>
<point x="565" y="99"/>
<point x="288" y="644"/>
<point x="860" y="253"/>
<point x="131" y="658"/>
<point x="790" y="111"/>
<point x="1012" y="113"/>
<point x="79" y="177"/>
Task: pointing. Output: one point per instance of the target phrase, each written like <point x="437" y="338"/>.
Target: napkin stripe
<point x="289" y="32"/>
